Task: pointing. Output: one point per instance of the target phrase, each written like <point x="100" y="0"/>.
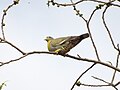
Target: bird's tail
<point x="72" y="42"/>
<point x="77" y="39"/>
<point x="83" y="36"/>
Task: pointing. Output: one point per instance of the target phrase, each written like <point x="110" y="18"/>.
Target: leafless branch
<point x="100" y="79"/>
<point x="67" y="55"/>
<point x="117" y="61"/>
<point x="109" y="84"/>
<point x="4" y="14"/>
<point x="78" y="2"/>
<point x="87" y="23"/>
<point x="88" y="85"/>
<point x="82" y="75"/>
<point x="117" y="83"/>
<point x="3" y="17"/>
<point x="104" y="22"/>
<point x="12" y="45"/>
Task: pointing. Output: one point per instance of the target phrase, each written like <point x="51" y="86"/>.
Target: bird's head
<point x="48" y="38"/>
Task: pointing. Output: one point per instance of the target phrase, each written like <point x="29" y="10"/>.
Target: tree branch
<point x="4" y="14"/>
<point x="109" y="84"/>
<point x="67" y="55"/>
<point x="110" y="36"/>
<point x="87" y="23"/>
<point x="12" y="45"/>
<point x="117" y="61"/>
<point x="82" y="75"/>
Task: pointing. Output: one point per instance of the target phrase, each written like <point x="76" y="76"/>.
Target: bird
<point x="63" y="45"/>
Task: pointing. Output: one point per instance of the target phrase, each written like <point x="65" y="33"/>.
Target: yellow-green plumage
<point x="63" y="45"/>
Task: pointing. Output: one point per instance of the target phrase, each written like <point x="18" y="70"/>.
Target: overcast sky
<point x="29" y="22"/>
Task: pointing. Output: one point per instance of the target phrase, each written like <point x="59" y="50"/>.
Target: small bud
<point x="81" y="15"/>
<point x="53" y="3"/>
<point x="108" y="4"/>
<point x="78" y="83"/>
<point x="78" y="11"/>
<point x="48" y="4"/>
<point x="97" y="7"/>
<point x="58" y="5"/>
<point x="3" y="24"/>
<point x="16" y="2"/>
<point x="4" y="11"/>
<point x="74" y="7"/>
<point x="101" y="5"/>
<point x="77" y="14"/>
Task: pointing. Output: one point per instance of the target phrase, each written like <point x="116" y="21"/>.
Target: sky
<point x="27" y="25"/>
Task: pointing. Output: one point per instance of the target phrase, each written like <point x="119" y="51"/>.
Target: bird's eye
<point x="49" y="37"/>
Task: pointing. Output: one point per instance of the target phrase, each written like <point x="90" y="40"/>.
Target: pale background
<point x="29" y="22"/>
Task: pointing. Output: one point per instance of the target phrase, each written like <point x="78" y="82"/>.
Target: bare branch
<point x="4" y="14"/>
<point x="88" y="85"/>
<point x="24" y="55"/>
<point x="70" y="56"/>
<point x="100" y="79"/>
<point x="117" y="83"/>
<point x="87" y="23"/>
<point x="82" y="75"/>
<point x="102" y="1"/>
<point x="117" y="61"/>
<point x="9" y="43"/>
<point x="103" y="18"/>
<point x="109" y="84"/>
<point x="78" y="2"/>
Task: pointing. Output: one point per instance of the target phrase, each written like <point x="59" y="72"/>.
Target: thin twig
<point x="104" y="22"/>
<point x="14" y="60"/>
<point x="3" y="17"/>
<point x="94" y="85"/>
<point x="12" y="45"/>
<point x="117" y="83"/>
<point x="109" y="84"/>
<point x="102" y="1"/>
<point x="15" y="2"/>
<point x="88" y="22"/>
<point x="100" y="80"/>
<point x="82" y="75"/>
<point x="78" y="2"/>
<point x="117" y="61"/>
<point x="94" y="61"/>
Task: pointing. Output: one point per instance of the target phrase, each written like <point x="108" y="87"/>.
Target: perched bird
<point x="63" y="45"/>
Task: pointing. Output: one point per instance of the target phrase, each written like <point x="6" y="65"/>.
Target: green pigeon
<point x="62" y="45"/>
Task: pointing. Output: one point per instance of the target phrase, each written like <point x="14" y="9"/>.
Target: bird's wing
<point x="69" y="40"/>
<point x="59" y="41"/>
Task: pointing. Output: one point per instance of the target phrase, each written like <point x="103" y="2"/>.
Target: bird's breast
<point x="49" y="45"/>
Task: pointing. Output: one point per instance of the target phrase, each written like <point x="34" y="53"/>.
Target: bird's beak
<point x="45" y="39"/>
